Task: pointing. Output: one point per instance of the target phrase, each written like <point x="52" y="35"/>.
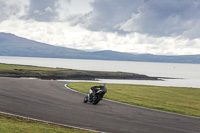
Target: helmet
<point x="103" y="85"/>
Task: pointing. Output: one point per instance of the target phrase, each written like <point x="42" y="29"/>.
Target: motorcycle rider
<point x="95" y="89"/>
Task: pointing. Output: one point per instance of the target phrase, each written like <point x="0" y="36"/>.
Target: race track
<point x="51" y="101"/>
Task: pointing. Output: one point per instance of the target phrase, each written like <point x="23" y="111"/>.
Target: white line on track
<point x="49" y="122"/>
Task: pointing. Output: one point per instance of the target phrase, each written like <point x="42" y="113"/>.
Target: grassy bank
<point x="7" y="70"/>
<point x="11" y="124"/>
<point x="173" y="99"/>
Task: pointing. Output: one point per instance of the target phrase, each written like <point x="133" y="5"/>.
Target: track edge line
<point x="49" y="122"/>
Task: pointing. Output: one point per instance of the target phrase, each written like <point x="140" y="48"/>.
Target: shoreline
<point x="28" y="71"/>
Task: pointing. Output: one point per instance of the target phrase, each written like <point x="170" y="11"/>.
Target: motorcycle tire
<point x="96" y="99"/>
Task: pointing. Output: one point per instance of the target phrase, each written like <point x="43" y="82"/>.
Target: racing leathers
<point x="95" y="89"/>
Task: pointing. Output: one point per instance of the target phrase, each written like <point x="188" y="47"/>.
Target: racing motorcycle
<point x="95" y="97"/>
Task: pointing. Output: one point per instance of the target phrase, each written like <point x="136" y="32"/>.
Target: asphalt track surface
<point x="51" y="101"/>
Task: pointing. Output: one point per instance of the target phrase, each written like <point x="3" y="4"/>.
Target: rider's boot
<point x="89" y="98"/>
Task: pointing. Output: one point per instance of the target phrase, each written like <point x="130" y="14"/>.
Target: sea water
<point x="185" y="75"/>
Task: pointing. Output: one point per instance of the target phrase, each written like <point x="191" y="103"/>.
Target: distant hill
<point x="11" y="45"/>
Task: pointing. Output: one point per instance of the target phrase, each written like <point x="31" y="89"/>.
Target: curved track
<point x="51" y="101"/>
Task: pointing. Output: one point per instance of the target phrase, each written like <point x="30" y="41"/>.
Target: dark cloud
<point x="107" y="15"/>
<point x="4" y="15"/>
<point x="153" y="17"/>
<point x="164" y="18"/>
<point x="38" y="10"/>
<point x="12" y="9"/>
<point x="43" y="10"/>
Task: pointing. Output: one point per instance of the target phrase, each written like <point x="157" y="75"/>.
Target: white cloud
<point x="48" y="9"/>
<point x="62" y="34"/>
<point x="151" y="26"/>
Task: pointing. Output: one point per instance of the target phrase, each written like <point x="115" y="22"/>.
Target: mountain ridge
<point x="12" y="45"/>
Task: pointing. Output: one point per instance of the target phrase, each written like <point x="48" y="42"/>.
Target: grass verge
<point x="179" y="100"/>
<point x="12" y="124"/>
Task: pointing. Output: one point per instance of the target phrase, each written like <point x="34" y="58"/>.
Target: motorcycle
<point x="95" y="97"/>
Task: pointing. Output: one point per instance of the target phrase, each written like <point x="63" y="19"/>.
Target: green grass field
<point x="172" y="99"/>
<point x="7" y="67"/>
<point x="11" y="124"/>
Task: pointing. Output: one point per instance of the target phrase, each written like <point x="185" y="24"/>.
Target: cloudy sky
<point x="169" y="27"/>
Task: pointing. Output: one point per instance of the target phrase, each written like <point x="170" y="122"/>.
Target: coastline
<point x="27" y="71"/>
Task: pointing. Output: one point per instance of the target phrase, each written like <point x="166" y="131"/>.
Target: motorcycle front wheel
<point x="85" y="100"/>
